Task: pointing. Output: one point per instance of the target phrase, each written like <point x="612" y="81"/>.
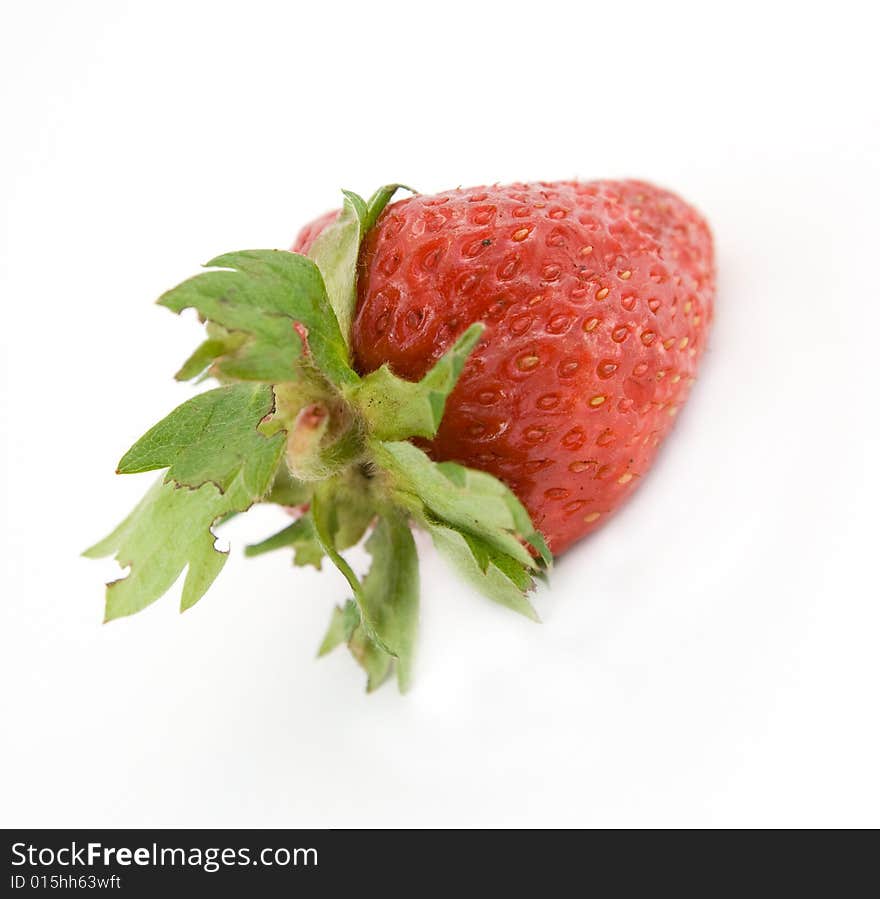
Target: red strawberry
<point x="496" y="366"/>
<point x="597" y="298"/>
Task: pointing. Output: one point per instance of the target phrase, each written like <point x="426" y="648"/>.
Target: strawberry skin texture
<point x="597" y="297"/>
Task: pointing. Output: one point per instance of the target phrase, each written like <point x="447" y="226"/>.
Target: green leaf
<point x="377" y="203"/>
<point x="325" y="514"/>
<point x="203" y="355"/>
<point x="395" y="409"/>
<point x="479" y="483"/>
<point x="355" y="502"/>
<point x="473" y="518"/>
<point x="277" y="299"/>
<point x="335" y="252"/>
<point x="300" y="535"/>
<point x="336" y="248"/>
<point x="391" y="590"/>
<point x="494" y="574"/>
<point x="169" y="530"/>
<point x="212" y="447"/>
<point x="343" y="622"/>
<point x="358" y="203"/>
<point x="345" y="627"/>
<point x="286" y="490"/>
<point x="388" y="597"/>
<point x="213" y="437"/>
<point x="371" y="657"/>
<point x="220" y="342"/>
<point x="476" y="504"/>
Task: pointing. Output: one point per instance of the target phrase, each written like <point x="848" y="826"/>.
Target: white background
<point x="708" y="659"/>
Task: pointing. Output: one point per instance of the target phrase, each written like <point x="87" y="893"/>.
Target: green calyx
<point x="295" y="425"/>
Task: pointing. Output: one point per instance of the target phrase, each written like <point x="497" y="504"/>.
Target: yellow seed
<point x="625" y="478"/>
<point x="537" y="298"/>
<point x="522" y="234"/>
<point x="676" y="379"/>
<point x="592" y="516"/>
<point x="585" y="251"/>
<point x="590" y="324"/>
<point x="602" y="294"/>
<point x="673" y="410"/>
<point x="524" y="363"/>
<point x="625" y="276"/>
<point x="667" y="344"/>
<point x="661" y="375"/>
<point x="687" y="306"/>
<point x="696" y="319"/>
<point x="597" y="400"/>
<point x="683" y="343"/>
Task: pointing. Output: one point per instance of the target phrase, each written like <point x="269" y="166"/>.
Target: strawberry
<point x="495" y="365"/>
<point x="596" y="298"/>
